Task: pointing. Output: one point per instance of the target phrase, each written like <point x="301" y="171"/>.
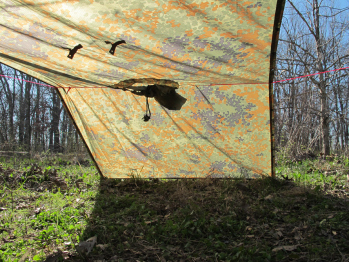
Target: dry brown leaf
<point x="149" y="222"/>
<point x="298" y="237"/>
<point x="21" y="205"/>
<point x="269" y="197"/>
<point x="286" y="248"/>
<point x="101" y="246"/>
<point x="86" y="247"/>
<point x="114" y="258"/>
<point x="279" y="233"/>
<point x="24" y="257"/>
<point x="296" y="229"/>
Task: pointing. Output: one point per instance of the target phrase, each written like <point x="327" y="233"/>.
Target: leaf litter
<point x="177" y="220"/>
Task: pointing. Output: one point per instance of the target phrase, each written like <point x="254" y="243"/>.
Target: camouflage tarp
<point x="214" y="55"/>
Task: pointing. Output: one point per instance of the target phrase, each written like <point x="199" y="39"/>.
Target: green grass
<point x="303" y="215"/>
<point x="330" y="174"/>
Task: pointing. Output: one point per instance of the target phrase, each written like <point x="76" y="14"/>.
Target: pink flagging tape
<point x="25" y="80"/>
<point x="343" y="68"/>
<point x="284" y="79"/>
<point x="311" y="74"/>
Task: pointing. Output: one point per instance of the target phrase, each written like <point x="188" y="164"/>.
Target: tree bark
<point x="54" y="131"/>
<point x="27" y="117"/>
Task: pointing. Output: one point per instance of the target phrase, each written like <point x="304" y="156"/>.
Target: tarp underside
<point x="221" y="130"/>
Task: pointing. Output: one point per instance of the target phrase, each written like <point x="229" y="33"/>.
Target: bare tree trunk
<point x="10" y="94"/>
<point x="37" y="142"/>
<point x="325" y="130"/>
<point x="64" y="130"/>
<point x="54" y="131"/>
<point x="27" y="117"/>
<point x="21" y="109"/>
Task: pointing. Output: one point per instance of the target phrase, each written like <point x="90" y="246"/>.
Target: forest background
<point x="50" y="208"/>
<point x="311" y="113"/>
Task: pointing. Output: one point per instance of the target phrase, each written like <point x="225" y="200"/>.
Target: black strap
<point x="147" y="115"/>
<point x="113" y="46"/>
<point x="74" y="50"/>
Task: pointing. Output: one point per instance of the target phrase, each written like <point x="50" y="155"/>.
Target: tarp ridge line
<point x="262" y="83"/>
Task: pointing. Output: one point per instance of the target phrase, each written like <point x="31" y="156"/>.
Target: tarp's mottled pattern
<point x="222" y="130"/>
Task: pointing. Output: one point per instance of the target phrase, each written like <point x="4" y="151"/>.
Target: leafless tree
<point x="311" y="112"/>
<point x="32" y="116"/>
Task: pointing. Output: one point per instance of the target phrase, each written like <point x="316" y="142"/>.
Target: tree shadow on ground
<point x="217" y="220"/>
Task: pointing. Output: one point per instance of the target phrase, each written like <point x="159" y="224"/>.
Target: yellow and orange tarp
<point x="218" y="54"/>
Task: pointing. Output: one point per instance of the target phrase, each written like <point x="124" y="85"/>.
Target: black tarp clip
<point x="73" y="51"/>
<point x="113" y="46"/>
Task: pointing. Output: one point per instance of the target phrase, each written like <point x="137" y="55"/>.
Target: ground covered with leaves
<point x="64" y="212"/>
